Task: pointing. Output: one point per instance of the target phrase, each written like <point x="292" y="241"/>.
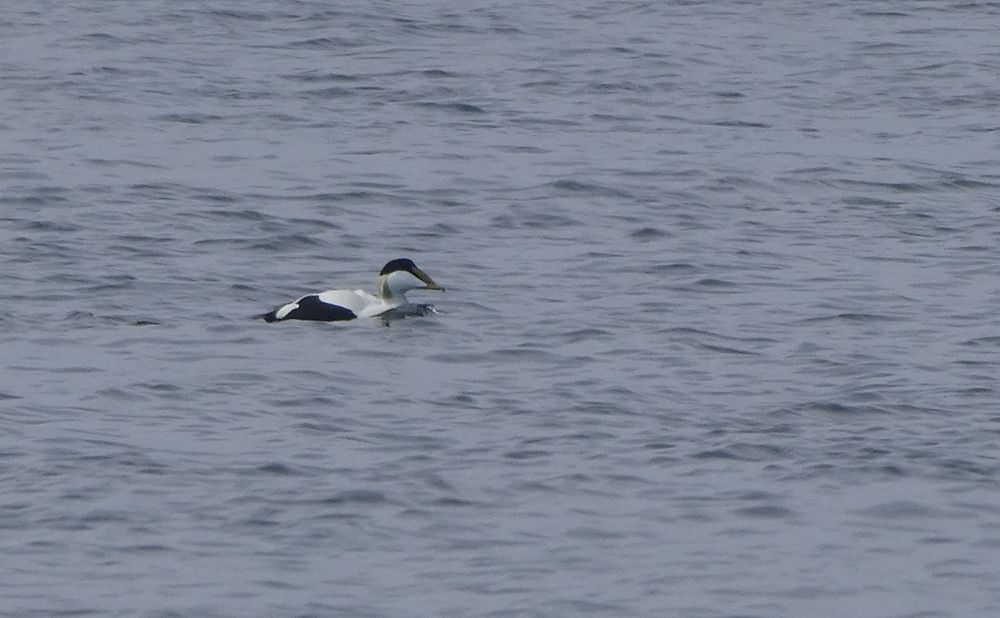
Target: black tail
<point x="270" y="316"/>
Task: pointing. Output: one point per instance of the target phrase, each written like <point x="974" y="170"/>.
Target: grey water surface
<point x="721" y="333"/>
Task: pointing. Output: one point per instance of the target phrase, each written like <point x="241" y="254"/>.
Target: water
<point x="720" y="336"/>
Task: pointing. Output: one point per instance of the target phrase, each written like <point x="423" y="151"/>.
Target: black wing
<point x="312" y="308"/>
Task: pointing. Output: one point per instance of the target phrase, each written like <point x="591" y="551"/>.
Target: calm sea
<point x="720" y="339"/>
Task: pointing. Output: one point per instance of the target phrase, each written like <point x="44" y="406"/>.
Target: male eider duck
<point x="396" y="279"/>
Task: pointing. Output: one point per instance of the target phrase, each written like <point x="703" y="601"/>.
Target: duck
<point x="396" y="278"/>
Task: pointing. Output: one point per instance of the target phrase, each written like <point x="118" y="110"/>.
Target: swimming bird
<point x="397" y="278"/>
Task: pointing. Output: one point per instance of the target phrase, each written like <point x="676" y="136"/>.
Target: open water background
<point x="721" y="336"/>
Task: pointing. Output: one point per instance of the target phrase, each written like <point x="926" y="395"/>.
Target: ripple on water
<point x="716" y="325"/>
<point x="647" y="234"/>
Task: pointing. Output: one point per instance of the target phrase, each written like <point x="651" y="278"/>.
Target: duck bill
<point x="429" y="283"/>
